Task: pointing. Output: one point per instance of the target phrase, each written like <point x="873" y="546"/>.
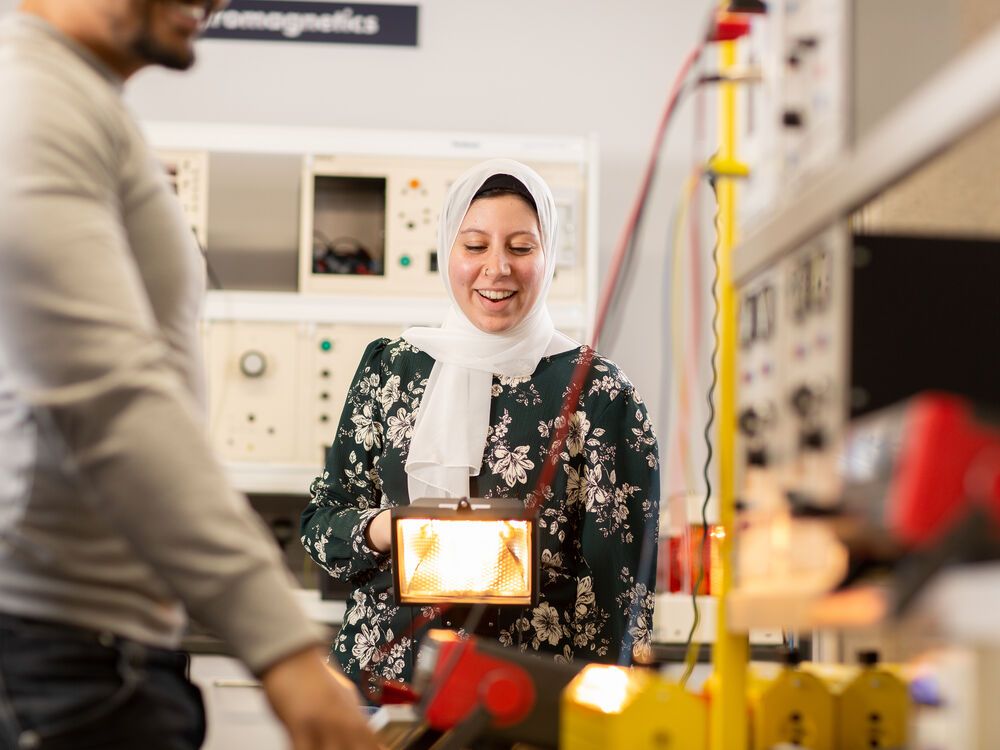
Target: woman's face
<point x="497" y="265"/>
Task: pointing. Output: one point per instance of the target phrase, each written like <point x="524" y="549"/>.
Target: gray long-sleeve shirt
<point x="114" y="514"/>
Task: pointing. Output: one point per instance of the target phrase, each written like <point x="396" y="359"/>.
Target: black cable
<point x="616" y="321"/>
<point x="612" y="285"/>
<point x="713" y="383"/>
<point x="703" y="552"/>
<point x="628" y="270"/>
<point x="646" y="555"/>
<point x="213" y="278"/>
<point x="647" y="552"/>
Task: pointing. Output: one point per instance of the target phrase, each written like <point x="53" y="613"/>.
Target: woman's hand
<point x="379" y="532"/>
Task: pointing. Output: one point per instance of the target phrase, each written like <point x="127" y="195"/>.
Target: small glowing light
<point x="443" y="560"/>
<point x="605" y="688"/>
<point x="404" y="261"/>
<point x="326" y="345"/>
<point x="717" y="532"/>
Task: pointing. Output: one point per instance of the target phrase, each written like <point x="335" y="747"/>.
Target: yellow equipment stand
<point x="728" y="712"/>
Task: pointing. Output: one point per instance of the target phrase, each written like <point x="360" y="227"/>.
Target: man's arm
<point x="81" y="347"/>
<point x="80" y="341"/>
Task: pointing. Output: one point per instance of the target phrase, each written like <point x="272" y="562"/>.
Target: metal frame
<point x="961" y="97"/>
<point x="287" y="139"/>
<point x="306" y="141"/>
<point x="293" y="307"/>
<point x="444" y="509"/>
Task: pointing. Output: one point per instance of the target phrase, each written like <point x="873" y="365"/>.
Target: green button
<point x="404" y="261"/>
<point x="326" y="345"/>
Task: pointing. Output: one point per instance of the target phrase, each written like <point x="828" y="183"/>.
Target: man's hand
<point x="317" y="704"/>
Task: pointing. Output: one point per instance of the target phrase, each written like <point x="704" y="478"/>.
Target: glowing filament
<point x="479" y="560"/>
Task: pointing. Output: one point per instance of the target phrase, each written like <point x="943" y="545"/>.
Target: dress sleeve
<point x="620" y="491"/>
<point x="348" y="495"/>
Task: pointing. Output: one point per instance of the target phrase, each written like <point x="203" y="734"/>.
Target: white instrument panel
<point x="187" y="174"/>
<point x="792" y="406"/>
<point x="276" y="390"/>
<point x="385" y="211"/>
<point x="323" y="240"/>
<point x="796" y="122"/>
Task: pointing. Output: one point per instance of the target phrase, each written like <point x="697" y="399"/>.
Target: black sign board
<point x="336" y="23"/>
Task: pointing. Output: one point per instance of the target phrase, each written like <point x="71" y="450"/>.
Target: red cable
<point x="607" y="293"/>
<point x="623" y="243"/>
<point x="694" y="231"/>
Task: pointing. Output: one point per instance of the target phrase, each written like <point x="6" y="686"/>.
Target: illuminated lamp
<point x="465" y="552"/>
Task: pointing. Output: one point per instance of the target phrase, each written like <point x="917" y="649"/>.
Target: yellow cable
<point x="679" y="303"/>
<point x="678" y="340"/>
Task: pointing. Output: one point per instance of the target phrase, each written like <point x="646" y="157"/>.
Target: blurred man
<point x="114" y="517"/>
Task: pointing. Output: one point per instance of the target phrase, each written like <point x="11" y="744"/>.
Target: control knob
<point x="253" y="364"/>
<point x="749" y="422"/>
<point x="804" y="401"/>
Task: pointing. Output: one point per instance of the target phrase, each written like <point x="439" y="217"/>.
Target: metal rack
<point x="961" y="607"/>
<point x="952" y="105"/>
<point x="961" y="97"/>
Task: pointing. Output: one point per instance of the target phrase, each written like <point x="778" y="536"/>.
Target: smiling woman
<point x="469" y="409"/>
<point x="497" y="263"/>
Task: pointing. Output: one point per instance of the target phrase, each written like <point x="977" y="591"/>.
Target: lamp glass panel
<point x="464" y="560"/>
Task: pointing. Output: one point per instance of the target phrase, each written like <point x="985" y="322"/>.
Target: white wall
<point x="521" y="66"/>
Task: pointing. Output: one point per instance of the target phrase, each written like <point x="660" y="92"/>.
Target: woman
<point x="469" y="409"/>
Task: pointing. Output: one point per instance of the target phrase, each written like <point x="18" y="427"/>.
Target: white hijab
<point x="449" y="437"/>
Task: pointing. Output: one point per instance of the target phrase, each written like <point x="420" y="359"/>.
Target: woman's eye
<point x="475" y="248"/>
<point x="522" y="249"/>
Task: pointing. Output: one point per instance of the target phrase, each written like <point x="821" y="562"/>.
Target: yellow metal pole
<point x="731" y="654"/>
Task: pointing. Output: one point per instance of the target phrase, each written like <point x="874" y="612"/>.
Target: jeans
<point x="67" y="688"/>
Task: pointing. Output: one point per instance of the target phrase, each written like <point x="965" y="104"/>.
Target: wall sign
<point x="337" y="23"/>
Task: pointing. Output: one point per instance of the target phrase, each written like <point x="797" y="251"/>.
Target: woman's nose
<point x="497" y="265"/>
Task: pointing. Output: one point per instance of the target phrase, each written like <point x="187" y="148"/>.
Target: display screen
<point x="349" y="225"/>
<point x="758" y="315"/>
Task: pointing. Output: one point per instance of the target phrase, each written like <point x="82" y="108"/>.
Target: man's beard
<point x="147" y="48"/>
<point x="151" y="51"/>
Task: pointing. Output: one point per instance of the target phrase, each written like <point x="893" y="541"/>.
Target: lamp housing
<point x="478" y="551"/>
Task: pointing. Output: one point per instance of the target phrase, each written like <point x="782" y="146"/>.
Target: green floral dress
<point x="602" y="505"/>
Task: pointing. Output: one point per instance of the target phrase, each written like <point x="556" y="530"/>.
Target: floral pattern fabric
<point x="601" y="509"/>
